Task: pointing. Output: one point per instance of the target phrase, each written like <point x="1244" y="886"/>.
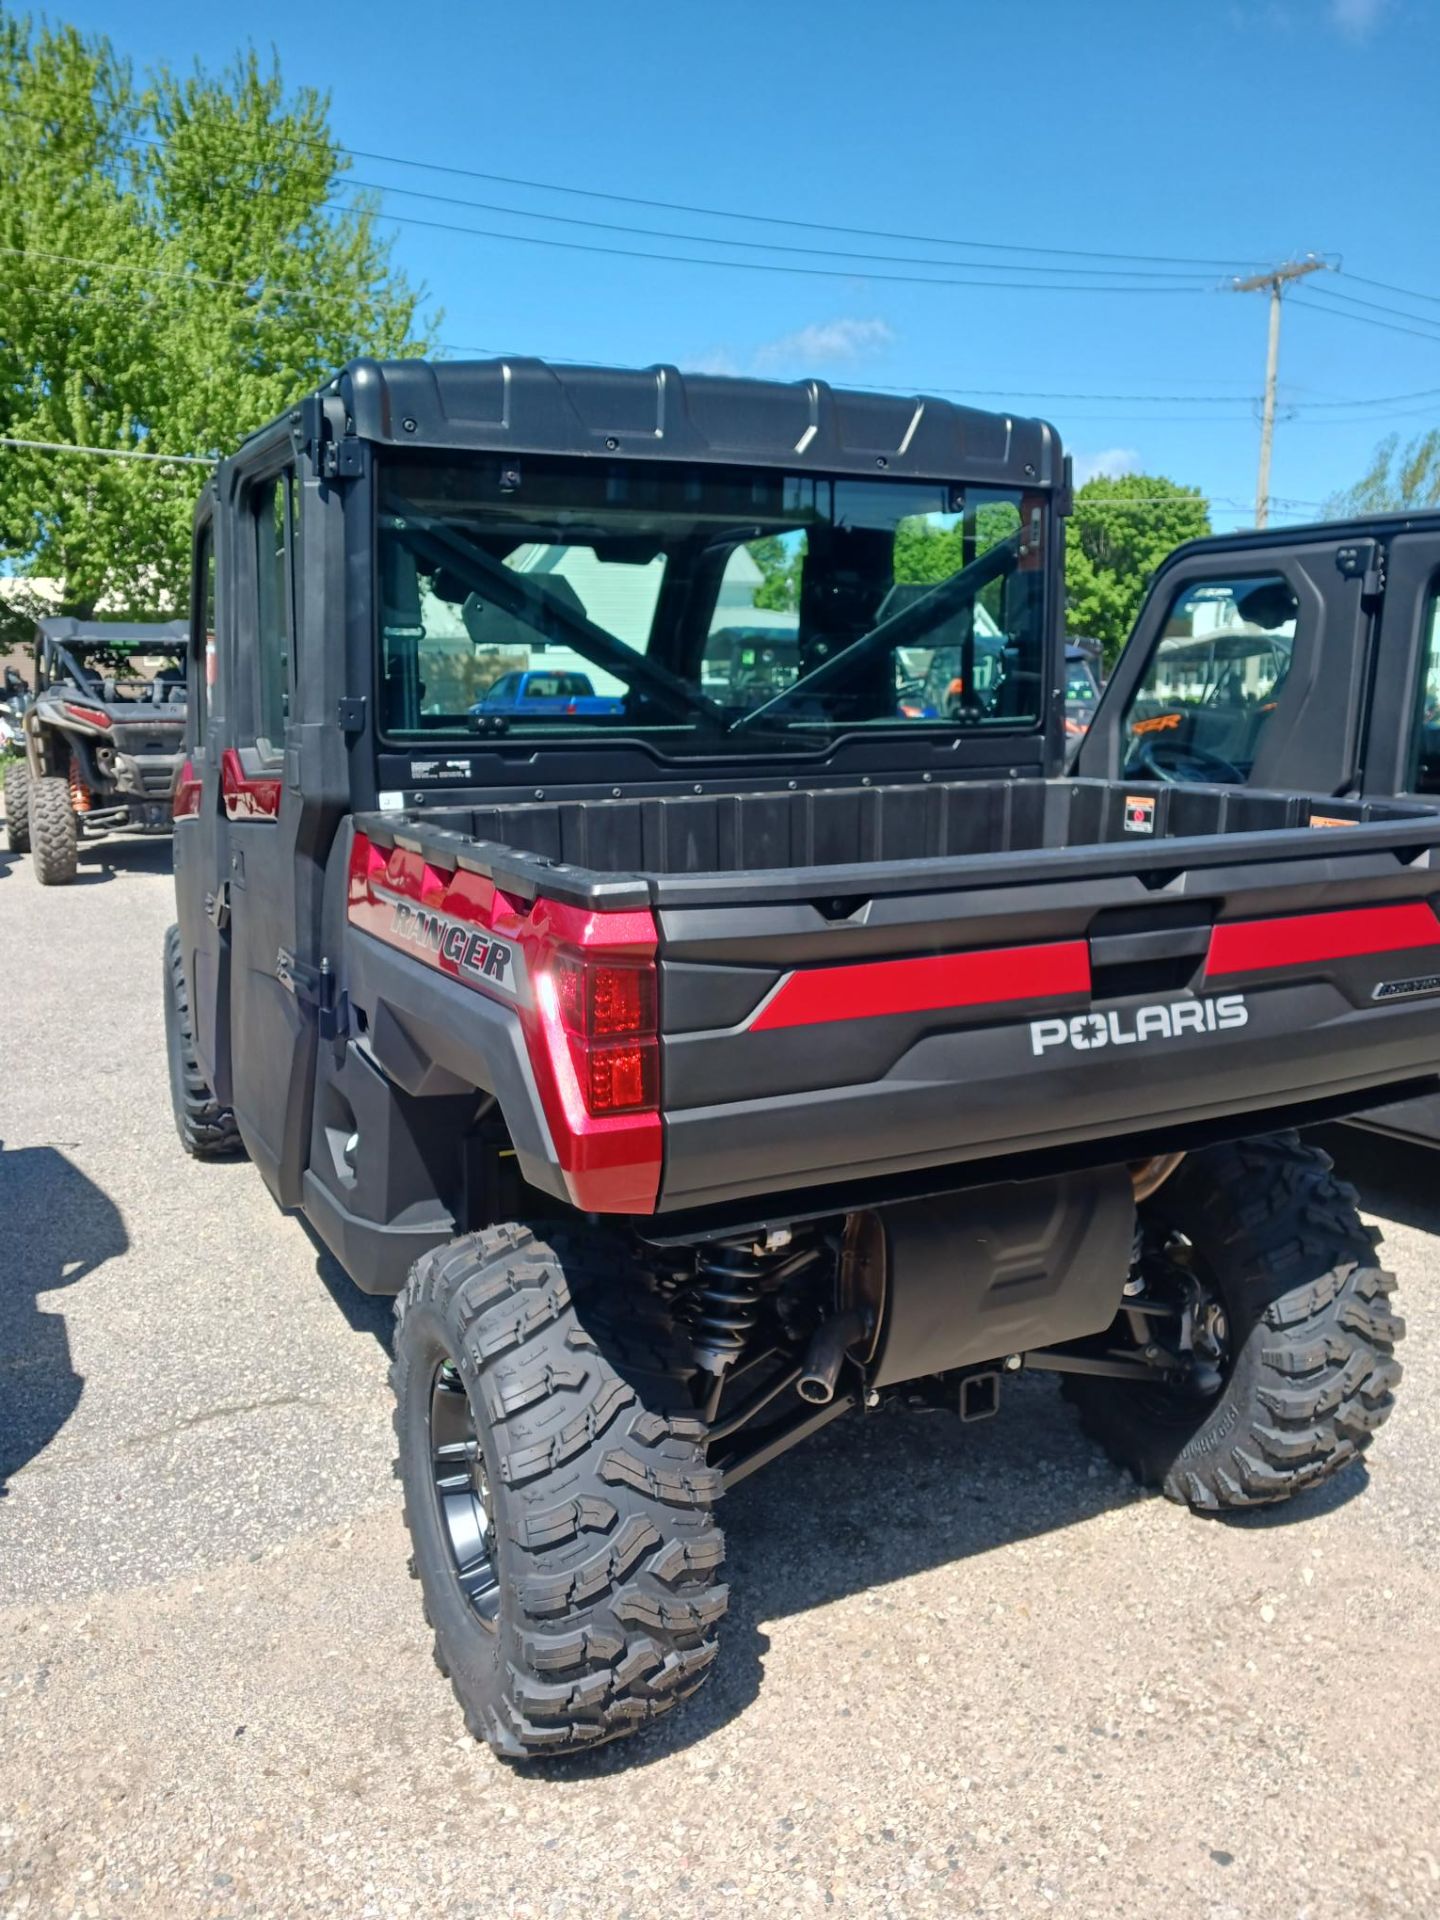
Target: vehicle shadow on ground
<point x="372" y="1313"/>
<point x="1398" y="1180"/>
<point x="875" y="1500"/>
<point x="104" y="860"/>
<point x="59" y="1227"/>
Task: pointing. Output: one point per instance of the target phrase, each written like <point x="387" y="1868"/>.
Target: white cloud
<point x="825" y="343"/>
<point x="1112" y="462"/>
<point x="1357" y="19"/>
<point x="713" y="360"/>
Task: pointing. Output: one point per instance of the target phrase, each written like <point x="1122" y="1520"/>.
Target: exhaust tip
<point x="816" y="1389"/>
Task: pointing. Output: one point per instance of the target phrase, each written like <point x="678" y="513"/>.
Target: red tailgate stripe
<point x="1253" y="946"/>
<point x="868" y="989"/>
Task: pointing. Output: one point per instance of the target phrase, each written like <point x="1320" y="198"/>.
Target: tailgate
<point x="839" y="1040"/>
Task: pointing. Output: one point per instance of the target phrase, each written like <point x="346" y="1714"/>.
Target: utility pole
<point x="1275" y="280"/>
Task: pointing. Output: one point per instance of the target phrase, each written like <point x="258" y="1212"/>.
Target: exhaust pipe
<point x="825" y="1355"/>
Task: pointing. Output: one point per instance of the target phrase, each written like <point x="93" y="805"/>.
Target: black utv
<point x="1309" y="658"/>
<point x="102" y="739"/>
<point x="702" y="1062"/>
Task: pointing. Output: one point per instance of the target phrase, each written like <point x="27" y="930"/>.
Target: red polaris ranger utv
<point x="750" y="1042"/>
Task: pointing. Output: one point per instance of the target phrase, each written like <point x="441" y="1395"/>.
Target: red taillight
<point x="185" y="801"/>
<point x="92" y="716"/>
<point x="599" y="1001"/>
<point x="623" y="1079"/>
<point x="608" y="1013"/>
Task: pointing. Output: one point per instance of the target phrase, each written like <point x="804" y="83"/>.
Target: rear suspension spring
<point x="79" y="792"/>
<point x="723" y="1306"/>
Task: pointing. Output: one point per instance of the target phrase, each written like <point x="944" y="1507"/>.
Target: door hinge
<point x="315" y="989"/>
<point x="321" y="426"/>
<point x="1363" y="560"/>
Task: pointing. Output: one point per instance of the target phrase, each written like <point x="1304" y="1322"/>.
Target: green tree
<point x="1398" y="477"/>
<point x="779" y="564"/>
<point x="174" y="270"/>
<point x="1121" y="531"/>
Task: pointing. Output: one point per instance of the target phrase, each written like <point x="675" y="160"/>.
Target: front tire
<point x="54" y="834"/>
<point x="559" y="1508"/>
<point x="1310" y="1365"/>
<point x="207" y="1130"/>
<point x="17" y="807"/>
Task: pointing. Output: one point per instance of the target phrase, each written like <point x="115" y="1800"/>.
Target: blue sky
<point x="1231" y="131"/>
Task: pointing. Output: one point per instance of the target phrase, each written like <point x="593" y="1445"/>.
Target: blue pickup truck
<point x="546" y="692"/>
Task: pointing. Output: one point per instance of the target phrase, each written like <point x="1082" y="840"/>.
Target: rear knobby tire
<point x="54" y="833"/>
<point x="207" y="1130"/>
<point x="17" y="807"/>
<point x="593" y="1604"/>
<point x="1312" y="1337"/>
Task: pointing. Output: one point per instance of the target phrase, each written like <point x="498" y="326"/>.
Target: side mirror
<point x="14" y="684"/>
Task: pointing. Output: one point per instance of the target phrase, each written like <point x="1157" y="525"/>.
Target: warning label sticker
<point x="1140" y="813"/>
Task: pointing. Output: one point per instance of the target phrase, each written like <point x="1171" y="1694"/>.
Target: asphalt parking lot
<point x="967" y="1669"/>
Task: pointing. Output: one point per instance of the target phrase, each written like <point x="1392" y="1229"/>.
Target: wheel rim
<point x="462" y="1495"/>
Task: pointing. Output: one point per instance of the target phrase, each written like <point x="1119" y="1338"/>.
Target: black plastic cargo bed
<point x="772" y="844"/>
<point x="855" y="984"/>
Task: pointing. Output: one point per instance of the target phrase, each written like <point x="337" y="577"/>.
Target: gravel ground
<point x="967" y="1669"/>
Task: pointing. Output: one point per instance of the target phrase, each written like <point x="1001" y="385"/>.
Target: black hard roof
<point x="1360" y="526"/>
<point x="529" y="406"/>
<point x="108" y="633"/>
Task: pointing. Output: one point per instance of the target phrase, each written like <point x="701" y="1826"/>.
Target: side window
<point x="200" y="678"/>
<point x="1424" y="776"/>
<point x="272" y="508"/>
<point x="1213" y="681"/>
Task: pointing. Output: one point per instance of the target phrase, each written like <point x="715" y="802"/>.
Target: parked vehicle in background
<point x="545" y="692"/>
<point x="102" y="739"/>
<point x="1082" y="686"/>
<point x="1309" y="656"/>
<point x="755" y="1056"/>
<point x="14" y="696"/>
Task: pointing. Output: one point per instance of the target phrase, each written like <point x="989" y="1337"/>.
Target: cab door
<point x="1247" y="666"/>
<point x="201" y="856"/>
<point x="272" y="1028"/>
<point x="1402" y="744"/>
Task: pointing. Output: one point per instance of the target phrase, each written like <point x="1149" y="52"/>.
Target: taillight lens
<point x="92" y="716"/>
<point x="185" y="800"/>
<point x="623" y="1079"/>
<point x="608" y="1012"/>
<point x="599" y="1000"/>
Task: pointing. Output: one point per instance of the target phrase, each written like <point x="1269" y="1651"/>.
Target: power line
<point x="1376" y="306"/>
<point x="1384" y="286"/>
<point x="738" y="266"/>
<point x="1363" y="320"/>
<point x="257" y="283"/>
<point x="763" y="246"/>
<point x="110" y="453"/>
<point x="333" y="147"/>
<point x="1380" y="400"/>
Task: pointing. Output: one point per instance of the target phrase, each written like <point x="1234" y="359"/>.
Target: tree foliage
<point x="924" y="553"/>
<point x="1397" y="478"/>
<point x="1121" y="531"/>
<point x="174" y="271"/>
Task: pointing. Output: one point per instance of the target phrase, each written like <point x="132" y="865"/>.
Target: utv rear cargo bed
<point x="858" y="984"/>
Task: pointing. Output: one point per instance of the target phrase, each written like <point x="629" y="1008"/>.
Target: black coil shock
<point x="723" y="1305"/>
